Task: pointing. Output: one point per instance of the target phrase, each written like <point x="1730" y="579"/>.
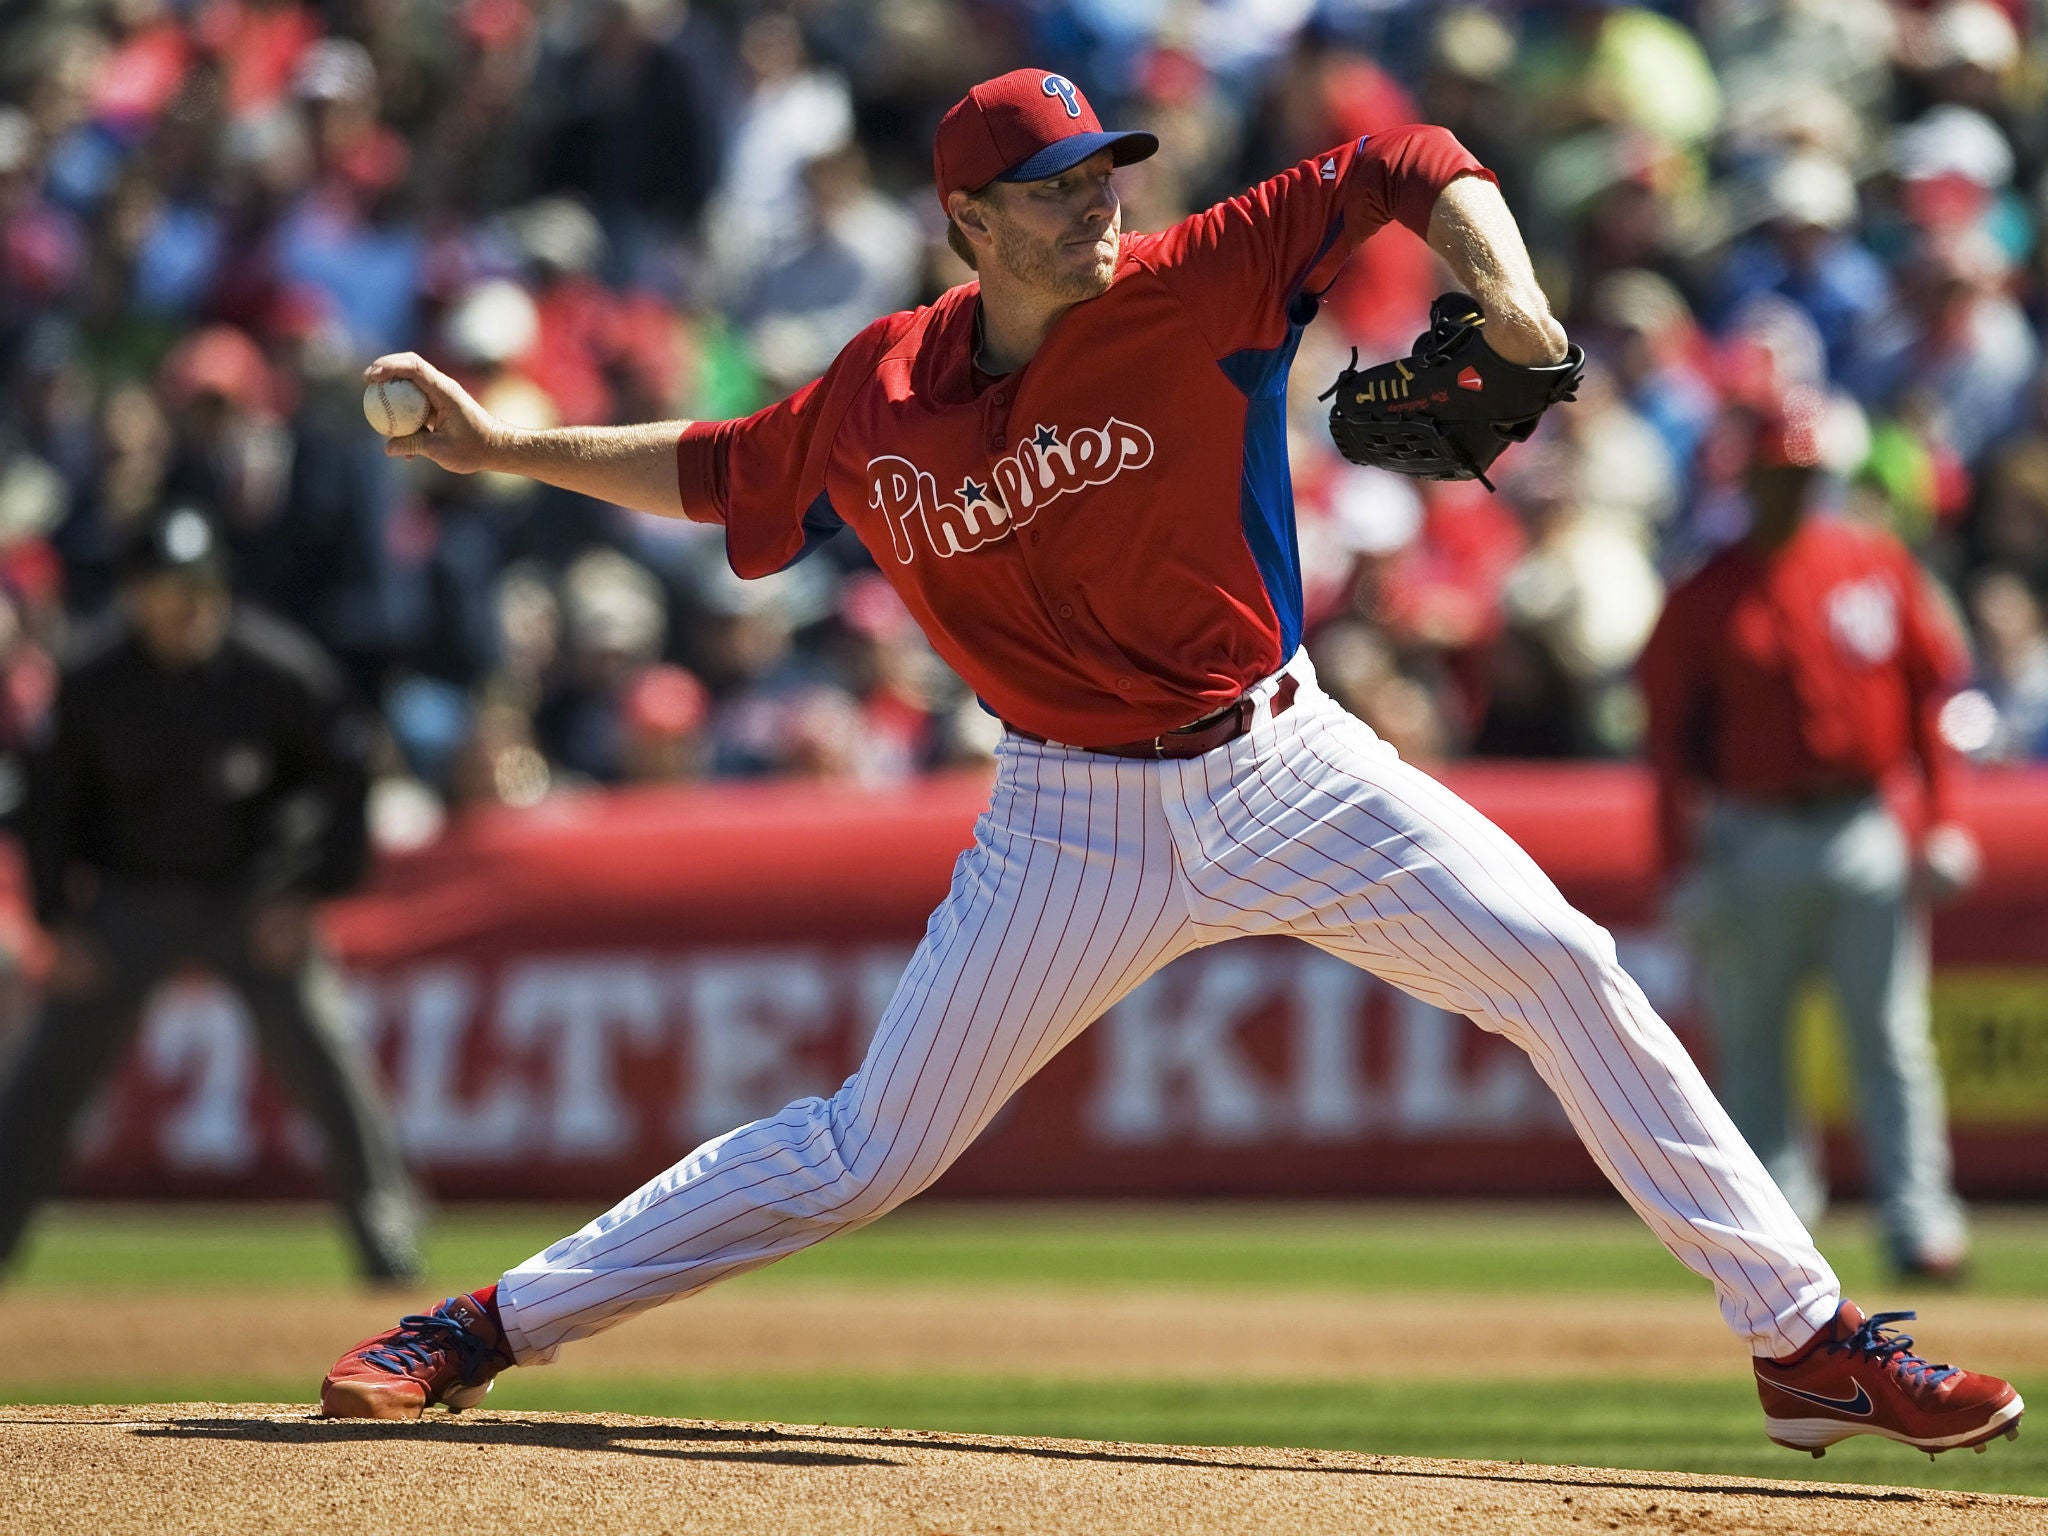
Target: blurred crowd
<point x="212" y="212"/>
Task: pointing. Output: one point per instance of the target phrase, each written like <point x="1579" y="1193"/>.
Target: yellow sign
<point x="1990" y="1031"/>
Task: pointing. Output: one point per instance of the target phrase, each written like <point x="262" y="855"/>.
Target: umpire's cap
<point x="1023" y="126"/>
<point x="177" y="538"/>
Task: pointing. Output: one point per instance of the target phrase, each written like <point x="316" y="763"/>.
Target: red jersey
<point x="1101" y="543"/>
<point x="1814" y="668"/>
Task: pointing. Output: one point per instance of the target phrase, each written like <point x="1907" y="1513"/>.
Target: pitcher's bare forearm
<point x="1472" y="229"/>
<point x="628" y="466"/>
<point x="631" y="467"/>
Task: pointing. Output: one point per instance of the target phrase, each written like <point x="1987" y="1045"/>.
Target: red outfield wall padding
<point x="567" y="1000"/>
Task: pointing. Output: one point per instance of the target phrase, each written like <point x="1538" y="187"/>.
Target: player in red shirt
<point x="1788" y="682"/>
<point x="1074" y="472"/>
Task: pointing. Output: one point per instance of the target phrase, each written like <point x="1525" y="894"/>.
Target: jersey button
<point x="1066" y="610"/>
<point x="996" y="441"/>
<point x="1123" y="685"/>
<point x="1001" y="398"/>
<point x="1034" y="535"/>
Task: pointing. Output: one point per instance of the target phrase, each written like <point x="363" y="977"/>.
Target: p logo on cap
<point x="1062" y="87"/>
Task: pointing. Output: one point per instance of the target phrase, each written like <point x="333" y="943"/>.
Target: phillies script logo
<point x="1041" y="470"/>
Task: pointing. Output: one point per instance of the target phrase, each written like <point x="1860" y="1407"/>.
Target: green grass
<point x="1594" y="1248"/>
<point x="1707" y="1425"/>
<point x="1692" y="1426"/>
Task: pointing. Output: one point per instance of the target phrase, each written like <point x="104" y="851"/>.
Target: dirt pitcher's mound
<point x="211" y="1467"/>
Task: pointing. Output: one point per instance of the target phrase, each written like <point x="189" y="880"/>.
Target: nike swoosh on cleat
<point x="1859" y="1405"/>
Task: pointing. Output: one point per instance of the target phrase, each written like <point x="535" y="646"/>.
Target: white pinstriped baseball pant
<point x="1086" y="875"/>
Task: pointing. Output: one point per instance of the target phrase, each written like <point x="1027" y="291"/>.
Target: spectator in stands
<point x="897" y="684"/>
<point x="346" y="234"/>
<point x="662" y="719"/>
<point x="2009" y="524"/>
<point x="1786" y="683"/>
<point x="1956" y="348"/>
<point x="2012" y="670"/>
<point x="1806" y="253"/>
<point x="854" y="257"/>
<point x="634" y="120"/>
<point x="645" y="209"/>
<point x="202" y="787"/>
<point x="791" y="110"/>
<point x="1661" y="363"/>
<point x="615" y="628"/>
<point x="1585" y="595"/>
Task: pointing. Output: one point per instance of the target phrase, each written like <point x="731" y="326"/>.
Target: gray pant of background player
<point x="1785" y="893"/>
<point x="147" y="933"/>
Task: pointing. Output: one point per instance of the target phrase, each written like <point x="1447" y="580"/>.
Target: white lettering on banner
<point x="1434" y="1094"/>
<point x="199" y="1033"/>
<point x="1173" y="1066"/>
<point x="588" y="1006"/>
<point x="534" y="1062"/>
<point x="749" y="1019"/>
<point x="1330" y="1099"/>
<point x="432" y="1008"/>
<point x="1168" y="1062"/>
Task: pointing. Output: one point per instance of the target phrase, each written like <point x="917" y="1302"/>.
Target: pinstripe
<point x="1261" y="834"/>
<point x="682" y="1232"/>
<point x="970" y="869"/>
<point x="1636" y="1109"/>
<point x="1151" y="953"/>
<point x="899" y="1038"/>
<point x="1682" y="1239"/>
<point x="1591" y="1098"/>
<point x="987" y="910"/>
<point x="1630" y="999"/>
<point x="1030" y="1008"/>
<point x="1447" y="958"/>
<point x="1002" y="946"/>
<point x="887" y="1042"/>
<point x="1086" y="868"/>
<point x="1632" y="1103"/>
<point x="972" y="863"/>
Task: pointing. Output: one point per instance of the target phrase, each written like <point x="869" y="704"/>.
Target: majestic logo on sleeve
<point x="1041" y="471"/>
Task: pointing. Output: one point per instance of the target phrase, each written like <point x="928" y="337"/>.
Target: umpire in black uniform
<point x="202" y="783"/>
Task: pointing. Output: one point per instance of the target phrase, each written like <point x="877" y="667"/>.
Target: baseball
<point x="396" y="407"/>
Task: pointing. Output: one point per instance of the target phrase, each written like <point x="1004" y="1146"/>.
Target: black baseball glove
<point x="1447" y="410"/>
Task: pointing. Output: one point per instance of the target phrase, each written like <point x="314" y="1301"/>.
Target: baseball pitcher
<point x="1074" y="470"/>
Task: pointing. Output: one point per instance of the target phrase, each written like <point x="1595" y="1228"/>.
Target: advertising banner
<point x="564" y="1001"/>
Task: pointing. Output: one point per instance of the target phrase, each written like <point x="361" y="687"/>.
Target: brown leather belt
<point x="1205" y="735"/>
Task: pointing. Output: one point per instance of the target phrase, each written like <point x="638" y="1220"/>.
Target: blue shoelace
<point x="1894" y="1350"/>
<point x="422" y="1336"/>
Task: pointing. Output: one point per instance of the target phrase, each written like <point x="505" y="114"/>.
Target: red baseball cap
<point x="1023" y="126"/>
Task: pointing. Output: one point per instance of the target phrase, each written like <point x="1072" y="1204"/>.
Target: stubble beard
<point x="1039" y="265"/>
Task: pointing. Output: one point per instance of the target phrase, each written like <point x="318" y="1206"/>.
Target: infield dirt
<point x="809" y="1329"/>
<point x="185" y="1468"/>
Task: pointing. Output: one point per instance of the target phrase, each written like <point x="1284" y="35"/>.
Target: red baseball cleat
<point x="448" y="1356"/>
<point x="1857" y="1379"/>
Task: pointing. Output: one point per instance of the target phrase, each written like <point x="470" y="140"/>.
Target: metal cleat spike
<point x="2013" y="1433"/>
<point x="1980" y="1447"/>
<point x="1818" y="1454"/>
